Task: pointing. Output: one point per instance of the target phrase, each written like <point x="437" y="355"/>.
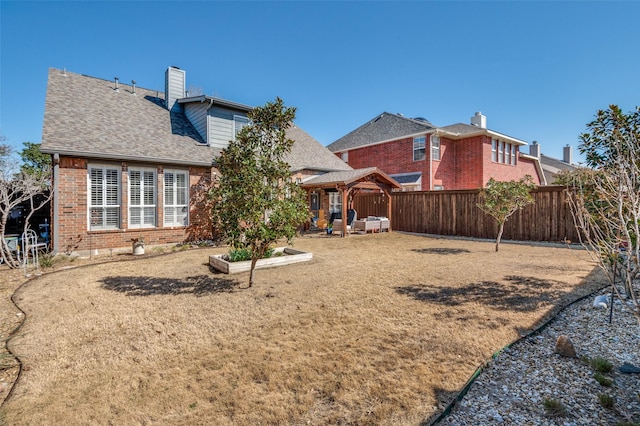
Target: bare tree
<point x="605" y="201"/>
<point x="16" y="187"/>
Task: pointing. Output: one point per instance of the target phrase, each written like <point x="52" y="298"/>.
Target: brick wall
<point x="71" y="233"/>
<point x="463" y="164"/>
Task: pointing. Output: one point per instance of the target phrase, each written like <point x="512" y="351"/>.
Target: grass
<point x="606" y="401"/>
<point x="604" y="381"/>
<point x="554" y="408"/>
<point x="377" y="329"/>
<point x="601" y="365"/>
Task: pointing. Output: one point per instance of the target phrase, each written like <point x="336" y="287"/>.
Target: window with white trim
<point x="503" y="152"/>
<point x="176" y="198"/>
<point x="494" y="150"/>
<point x="142" y="198"/>
<point x="239" y="122"/>
<point x="345" y="156"/>
<point x="104" y="197"/>
<point x="435" y="147"/>
<point x="419" y="148"/>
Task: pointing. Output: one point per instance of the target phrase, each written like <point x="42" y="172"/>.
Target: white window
<point x="142" y="198"/>
<point x="104" y="197"/>
<point x="345" y="156"/>
<point x="435" y="147"/>
<point x="176" y="198"/>
<point x="335" y="202"/>
<point x="507" y="154"/>
<point x="239" y="121"/>
<point x="501" y="152"/>
<point x="419" y="148"/>
<point x="438" y="187"/>
<point x="494" y="150"/>
<point x="513" y="155"/>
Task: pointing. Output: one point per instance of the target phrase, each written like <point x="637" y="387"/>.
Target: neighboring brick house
<point x="132" y="162"/>
<point x="421" y="156"/>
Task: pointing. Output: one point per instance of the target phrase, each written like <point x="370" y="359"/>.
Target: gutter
<point x="118" y="157"/>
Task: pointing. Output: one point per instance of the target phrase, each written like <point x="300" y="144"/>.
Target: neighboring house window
<point x="418" y="148"/>
<point x="176" y="198"/>
<point x="502" y="152"/>
<point x="142" y="198"/>
<point x="104" y="197"/>
<point x="239" y="121"/>
<point x="435" y="147"/>
<point x="345" y="156"/>
<point x="438" y="187"/>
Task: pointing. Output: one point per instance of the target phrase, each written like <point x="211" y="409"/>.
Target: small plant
<point x="604" y="381"/>
<point x="46" y="260"/>
<point x="606" y="401"/>
<point x="601" y="365"/>
<point x="240" y="255"/>
<point x="554" y="408"/>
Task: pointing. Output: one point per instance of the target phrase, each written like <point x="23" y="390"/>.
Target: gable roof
<point x="308" y="154"/>
<point x="383" y="127"/>
<point x="348" y="177"/>
<point x="552" y="166"/>
<point x="87" y="116"/>
<point x="387" y="127"/>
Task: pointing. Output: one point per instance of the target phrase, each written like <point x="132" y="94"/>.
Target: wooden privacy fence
<point x="457" y="213"/>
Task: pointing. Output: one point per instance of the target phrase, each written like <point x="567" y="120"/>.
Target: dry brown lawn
<point x="376" y="329"/>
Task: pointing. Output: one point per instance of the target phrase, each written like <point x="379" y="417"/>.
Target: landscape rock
<point x="564" y="347"/>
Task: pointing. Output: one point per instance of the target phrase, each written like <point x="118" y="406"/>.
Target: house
<point x="422" y="156"/>
<point x="551" y="166"/>
<point x="134" y="163"/>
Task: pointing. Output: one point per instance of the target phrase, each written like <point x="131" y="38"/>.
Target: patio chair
<point x="30" y="249"/>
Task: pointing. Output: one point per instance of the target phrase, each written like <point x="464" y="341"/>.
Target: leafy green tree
<point x="34" y="162"/>
<point x="605" y="201"/>
<point x="256" y="200"/>
<point x="502" y="199"/>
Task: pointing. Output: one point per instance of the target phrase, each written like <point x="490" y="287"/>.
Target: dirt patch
<point x="376" y="329"/>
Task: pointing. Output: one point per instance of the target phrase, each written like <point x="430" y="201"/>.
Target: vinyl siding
<point x="197" y="115"/>
<point x="220" y="126"/>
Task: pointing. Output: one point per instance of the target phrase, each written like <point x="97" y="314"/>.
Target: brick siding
<point x="71" y="233"/>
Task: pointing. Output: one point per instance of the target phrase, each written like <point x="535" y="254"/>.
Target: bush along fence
<point x="456" y="213"/>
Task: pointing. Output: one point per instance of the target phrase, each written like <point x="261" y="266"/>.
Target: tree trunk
<point x="252" y="273"/>
<point x="500" y="230"/>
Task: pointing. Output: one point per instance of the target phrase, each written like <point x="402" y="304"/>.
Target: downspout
<point x="55" y="236"/>
<point x="431" y="161"/>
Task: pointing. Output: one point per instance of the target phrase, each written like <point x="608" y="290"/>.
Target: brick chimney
<point x="479" y="120"/>
<point x="174" y="86"/>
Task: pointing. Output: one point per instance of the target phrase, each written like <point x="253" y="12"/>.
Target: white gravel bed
<point x="513" y="387"/>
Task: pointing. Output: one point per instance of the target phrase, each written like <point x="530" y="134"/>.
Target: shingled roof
<point x="385" y="126"/>
<point x="308" y="154"/>
<point x="87" y="116"/>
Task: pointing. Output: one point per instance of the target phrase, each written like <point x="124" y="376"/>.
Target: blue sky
<point x="537" y="70"/>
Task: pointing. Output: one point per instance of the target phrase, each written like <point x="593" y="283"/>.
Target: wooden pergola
<point x="350" y="182"/>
